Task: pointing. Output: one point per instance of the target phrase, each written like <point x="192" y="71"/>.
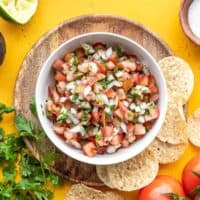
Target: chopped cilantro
<point x="5" y="109"/>
<point x="32" y="106"/>
<point x="105" y="83"/>
<point x="96" y="134"/>
<point x="118" y="50"/>
<point x="75" y="97"/>
<point x="1" y="133"/>
<point x="62" y="117"/>
<point x="147" y="112"/>
<point x="75" y="60"/>
<point x="73" y="68"/>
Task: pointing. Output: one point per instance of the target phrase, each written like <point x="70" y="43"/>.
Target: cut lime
<point x="18" y="11"/>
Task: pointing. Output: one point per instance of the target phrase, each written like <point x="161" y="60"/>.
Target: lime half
<point x="18" y="11"/>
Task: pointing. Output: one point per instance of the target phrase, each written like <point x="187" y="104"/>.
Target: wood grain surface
<point x="65" y="166"/>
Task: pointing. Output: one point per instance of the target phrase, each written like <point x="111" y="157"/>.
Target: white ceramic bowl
<point x="46" y="78"/>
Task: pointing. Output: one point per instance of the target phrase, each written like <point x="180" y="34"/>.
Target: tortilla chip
<point x="179" y="78"/>
<point x="167" y="153"/>
<point x="194" y="128"/>
<point x="80" y="191"/>
<point x="174" y="129"/>
<point x="134" y="173"/>
<point x="102" y="173"/>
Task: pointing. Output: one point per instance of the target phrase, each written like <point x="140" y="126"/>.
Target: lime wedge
<point x="18" y="11"/>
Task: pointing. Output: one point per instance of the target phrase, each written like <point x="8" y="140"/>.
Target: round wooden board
<point x="65" y="166"/>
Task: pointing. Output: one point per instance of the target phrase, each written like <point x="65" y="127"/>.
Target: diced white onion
<point x="93" y="68"/>
<point x="77" y="129"/>
<point x="126" y="103"/>
<point x="63" y="99"/>
<point x="87" y="90"/>
<point x="111" y="149"/>
<point x="71" y="86"/>
<point x="114" y="83"/>
<point x="119" y="74"/>
<point x="123" y="127"/>
<point x="132" y="106"/>
<point x="141" y="119"/>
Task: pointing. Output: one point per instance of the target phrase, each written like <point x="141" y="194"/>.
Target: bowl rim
<point x="94" y="160"/>
<point x="183" y="19"/>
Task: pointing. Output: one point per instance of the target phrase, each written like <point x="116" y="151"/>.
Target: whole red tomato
<point x="189" y="179"/>
<point x="161" y="186"/>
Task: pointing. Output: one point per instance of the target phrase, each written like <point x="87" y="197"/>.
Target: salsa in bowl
<point x="103" y="98"/>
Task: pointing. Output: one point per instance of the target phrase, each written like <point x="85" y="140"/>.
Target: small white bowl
<point x="46" y="78"/>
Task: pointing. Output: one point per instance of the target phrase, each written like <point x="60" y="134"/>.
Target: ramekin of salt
<point x="190" y="19"/>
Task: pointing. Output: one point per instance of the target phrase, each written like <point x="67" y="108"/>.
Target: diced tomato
<point x="117" y="139"/>
<point x="80" y="52"/>
<point x="119" y="113"/>
<point x="68" y="56"/>
<point x="110" y="93"/>
<point x="139" y="129"/>
<point x="59" y="129"/>
<point x="153" y="89"/>
<point x="128" y="65"/>
<point x="135" y="77"/>
<point x="110" y="65"/>
<point x="125" y="143"/>
<point x="122" y="107"/>
<point x="92" y="80"/>
<point x="154" y="114"/>
<point x="121" y="94"/>
<point x="53" y="94"/>
<point x="131" y="56"/>
<point x="139" y="67"/>
<point x="89" y="149"/>
<point x="101" y="150"/>
<point x="154" y="97"/>
<point x="127" y="84"/>
<point x="113" y="58"/>
<point x="60" y="77"/>
<point x="58" y="64"/>
<point x="99" y="45"/>
<point x="144" y="80"/>
<point x="95" y="116"/>
<point x="68" y="104"/>
<point x="101" y="68"/>
<point x="107" y="131"/>
<point x="152" y="84"/>
<point x="130" y="127"/>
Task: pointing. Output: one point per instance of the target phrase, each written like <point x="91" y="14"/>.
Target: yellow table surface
<point x="161" y="16"/>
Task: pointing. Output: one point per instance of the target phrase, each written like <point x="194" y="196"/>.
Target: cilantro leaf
<point x="9" y="173"/>
<point x="24" y="126"/>
<point x="1" y="133"/>
<point x="5" y="109"/>
<point x="105" y="83"/>
<point x="32" y="106"/>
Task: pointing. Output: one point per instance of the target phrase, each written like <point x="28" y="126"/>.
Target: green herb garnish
<point x="75" y="60"/>
<point x="32" y="107"/>
<point x="118" y="50"/>
<point x="75" y="97"/>
<point x="5" y="109"/>
<point x="105" y="83"/>
<point x="36" y="180"/>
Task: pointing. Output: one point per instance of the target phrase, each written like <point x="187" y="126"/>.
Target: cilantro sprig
<point x="36" y="180"/>
<point x="5" y="109"/>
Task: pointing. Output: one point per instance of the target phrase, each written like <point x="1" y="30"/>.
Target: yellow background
<point x="161" y="16"/>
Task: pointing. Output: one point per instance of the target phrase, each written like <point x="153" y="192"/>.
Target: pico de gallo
<point x="103" y="99"/>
